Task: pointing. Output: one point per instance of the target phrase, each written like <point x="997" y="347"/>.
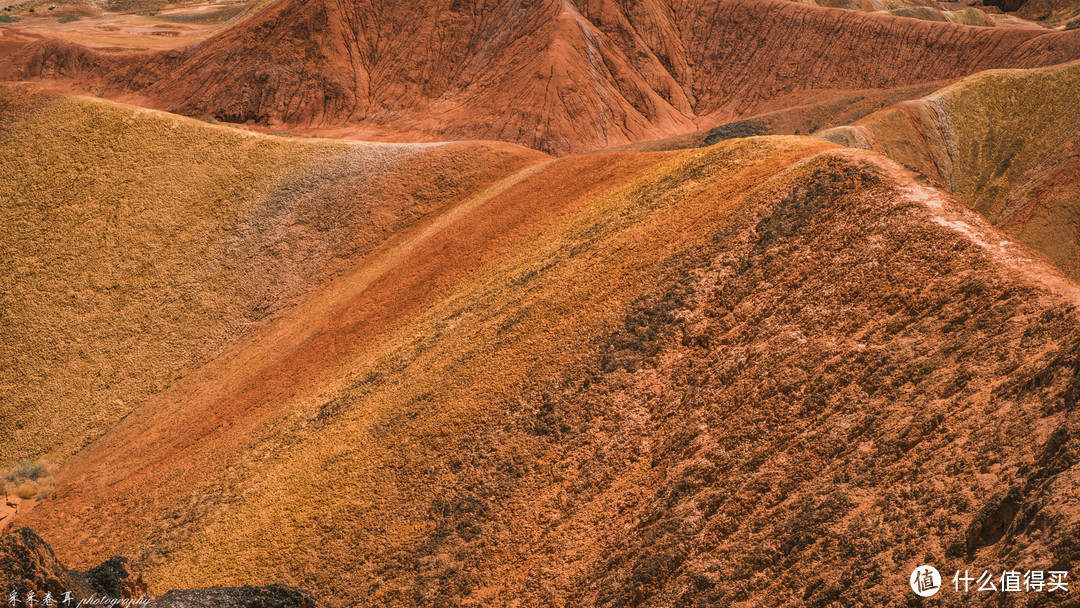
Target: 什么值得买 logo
<point x="925" y="581"/>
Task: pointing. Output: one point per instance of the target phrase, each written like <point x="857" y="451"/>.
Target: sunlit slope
<point x="510" y="290"/>
<point x="926" y="10"/>
<point x="620" y="379"/>
<point x="136" y="245"/>
<point x="1005" y="141"/>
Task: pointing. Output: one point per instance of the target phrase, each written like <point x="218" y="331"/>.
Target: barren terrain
<point x="547" y="74"/>
<point x="664" y="303"/>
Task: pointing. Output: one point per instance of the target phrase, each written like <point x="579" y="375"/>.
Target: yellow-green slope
<point x="135" y="245"/>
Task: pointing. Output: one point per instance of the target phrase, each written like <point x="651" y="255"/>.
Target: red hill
<point x="553" y="75"/>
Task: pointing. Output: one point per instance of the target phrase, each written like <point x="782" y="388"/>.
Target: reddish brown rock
<point x="550" y="74"/>
<point x="28" y="565"/>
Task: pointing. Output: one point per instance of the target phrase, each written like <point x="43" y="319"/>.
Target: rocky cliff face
<point x="554" y="75"/>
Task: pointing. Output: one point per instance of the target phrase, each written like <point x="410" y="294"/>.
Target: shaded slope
<point x="1059" y="14"/>
<point x="28" y="568"/>
<point x="138" y="245"/>
<point x="27" y="564"/>
<point x="813" y="112"/>
<point x="548" y="74"/>
<point x="1006" y="142"/>
<point x="620" y="379"/>
<point x="538" y="73"/>
<point x="930" y="10"/>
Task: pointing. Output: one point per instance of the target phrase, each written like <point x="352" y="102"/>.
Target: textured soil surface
<point x="770" y="371"/>
<point x="1005" y="141"/>
<point x="654" y="303"/>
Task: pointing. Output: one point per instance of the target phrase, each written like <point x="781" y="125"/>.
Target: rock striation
<point x="553" y="75"/>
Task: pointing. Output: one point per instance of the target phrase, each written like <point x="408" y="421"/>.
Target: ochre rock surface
<point x="554" y="75"/>
<point x="1006" y="142"/>
<point x="772" y="371"/>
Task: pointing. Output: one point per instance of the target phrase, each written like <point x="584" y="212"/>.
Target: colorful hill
<point x="549" y="74"/>
<point x="606" y="304"/>
<point x="470" y="374"/>
<point x="1005" y="141"/>
<point x="138" y="245"/>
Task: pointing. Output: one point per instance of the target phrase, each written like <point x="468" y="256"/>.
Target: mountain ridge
<point x="547" y="74"/>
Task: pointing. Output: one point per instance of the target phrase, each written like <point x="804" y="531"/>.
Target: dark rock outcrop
<point x="28" y="564"/>
<point x="269" y="596"/>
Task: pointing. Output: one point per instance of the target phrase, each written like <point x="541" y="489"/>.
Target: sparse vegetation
<point x="29" y="479"/>
<point x="68" y="19"/>
<point x="766" y="371"/>
<point x="8" y="18"/>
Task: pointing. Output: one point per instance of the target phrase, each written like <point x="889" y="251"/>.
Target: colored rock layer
<point x="771" y="371"/>
<point x="553" y="75"/>
<point x="1007" y="142"/>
